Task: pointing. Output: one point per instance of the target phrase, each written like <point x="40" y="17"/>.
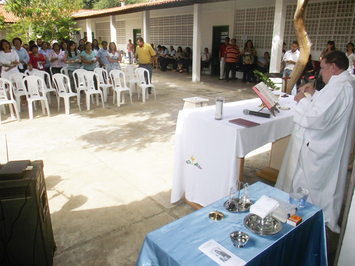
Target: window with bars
<point x="103" y="31"/>
<point x="255" y="24"/>
<point x="121" y="32"/>
<point x="172" y="30"/>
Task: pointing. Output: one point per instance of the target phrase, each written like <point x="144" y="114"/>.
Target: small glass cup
<point x="294" y="198"/>
<point x="299" y="197"/>
<point x="303" y="193"/>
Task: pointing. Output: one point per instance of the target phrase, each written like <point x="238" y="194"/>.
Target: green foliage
<point x="17" y="30"/>
<point x="2" y="24"/>
<point x="88" y="4"/>
<point x="268" y="82"/>
<point x="49" y="19"/>
<point x="103" y="4"/>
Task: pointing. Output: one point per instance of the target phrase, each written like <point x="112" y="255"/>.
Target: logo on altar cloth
<point x="192" y="162"/>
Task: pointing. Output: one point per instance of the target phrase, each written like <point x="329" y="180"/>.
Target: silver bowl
<point x="263" y="227"/>
<point x="239" y="239"/>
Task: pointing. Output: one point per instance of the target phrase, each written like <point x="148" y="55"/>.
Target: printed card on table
<point x="220" y="254"/>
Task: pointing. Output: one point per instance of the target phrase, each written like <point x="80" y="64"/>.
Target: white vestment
<point x="318" y="153"/>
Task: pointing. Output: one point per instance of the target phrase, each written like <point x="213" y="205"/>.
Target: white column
<point x="196" y="50"/>
<point x="113" y="30"/>
<point x="146" y="27"/>
<point x="233" y="26"/>
<point x="88" y="30"/>
<point x="278" y="36"/>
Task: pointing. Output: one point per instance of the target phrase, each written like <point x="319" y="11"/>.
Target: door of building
<point x="136" y="33"/>
<point x="219" y="34"/>
<point x="86" y="37"/>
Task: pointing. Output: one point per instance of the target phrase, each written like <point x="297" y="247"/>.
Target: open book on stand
<point x="268" y="98"/>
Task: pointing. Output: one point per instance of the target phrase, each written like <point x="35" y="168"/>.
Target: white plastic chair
<point x="62" y="86"/>
<point x="29" y="73"/>
<point x="92" y="87"/>
<point x="119" y="85"/>
<point x="104" y="81"/>
<point x="64" y="71"/>
<point x="131" y="77"/>
<point x="18" y="89"/>
<point x="50" y="71"/>
<point x="34" y="85"/>
<point x="47" y="82"/>
<point x="144" y="82"/>
<point x="79" y="81"/>
<point x="6" y="88"/>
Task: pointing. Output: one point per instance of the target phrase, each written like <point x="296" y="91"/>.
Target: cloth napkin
<point x="264" y="206"/>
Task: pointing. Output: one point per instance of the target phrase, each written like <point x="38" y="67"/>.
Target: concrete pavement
<point x="109" y="171"/>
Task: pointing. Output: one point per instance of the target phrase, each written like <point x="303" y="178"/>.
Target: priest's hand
<point x="299" y="96"/>
<point x="307" y="88"/>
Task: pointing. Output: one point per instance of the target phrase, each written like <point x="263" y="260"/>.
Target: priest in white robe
<point x="318" y="152"/>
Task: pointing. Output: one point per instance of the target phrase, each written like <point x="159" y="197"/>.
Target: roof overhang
<point x="133" y="8"/>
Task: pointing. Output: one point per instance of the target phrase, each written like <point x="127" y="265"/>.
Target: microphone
<point x="249" y="112"/>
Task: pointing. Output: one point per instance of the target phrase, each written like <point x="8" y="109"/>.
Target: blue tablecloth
<point x="177" y="243"/>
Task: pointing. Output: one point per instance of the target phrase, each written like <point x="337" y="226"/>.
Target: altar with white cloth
<point x="206" y="152"/>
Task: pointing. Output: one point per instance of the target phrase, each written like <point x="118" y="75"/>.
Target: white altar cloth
<point x="206" y="150"/>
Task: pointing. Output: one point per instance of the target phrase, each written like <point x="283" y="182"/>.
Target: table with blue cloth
<point x="177" y="243"/>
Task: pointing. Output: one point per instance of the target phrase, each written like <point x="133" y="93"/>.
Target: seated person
<point x="157" y="56"/>
<point x="163" y="59"/>
<point x="179" y="59"/>
<point x="187" y="60"/>
<point x="172" y="57"/>
<point x="168" y="57"/>
<point x="205" y="59"/>
<point x="263" y="63"/>
<point x="309" y="70"/>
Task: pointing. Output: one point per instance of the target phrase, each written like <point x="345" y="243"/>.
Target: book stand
<point x="267" y="97"/>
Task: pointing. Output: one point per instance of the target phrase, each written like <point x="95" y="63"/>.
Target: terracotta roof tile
<point x="8" y="17"/>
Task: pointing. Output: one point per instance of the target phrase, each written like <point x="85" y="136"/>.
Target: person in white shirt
<point x="318" y="153"/>
<point x="351" y="56"/>
<point x="8" y="59"/>
<point x="113" y="57"/>
<point x="163" y="59"/>
<point x="291" y="58"/>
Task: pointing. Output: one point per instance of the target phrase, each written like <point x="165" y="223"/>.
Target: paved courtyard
<point x="109" y="171"/>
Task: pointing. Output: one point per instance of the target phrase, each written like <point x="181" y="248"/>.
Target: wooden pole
<point x="304" y="44"/>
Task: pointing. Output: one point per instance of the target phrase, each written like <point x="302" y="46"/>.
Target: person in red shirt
<point x="221" y="57"/>
<point x="231" y="58"/>
<point x="37" y="60"/>
<point x="130" y="51"/>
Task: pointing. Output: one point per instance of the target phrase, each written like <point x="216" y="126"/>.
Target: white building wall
<point x="3" y="34"/>
<point x="103" y="31"/>
<point x="81" y="24"/>
<point x="216" y="14"/>
<point x="325" y="20"/>
<point x="131" y="21"/>
<point x="172" y="26"/>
